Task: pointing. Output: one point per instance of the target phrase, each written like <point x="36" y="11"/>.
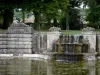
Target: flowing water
<point x="29" y="66"/>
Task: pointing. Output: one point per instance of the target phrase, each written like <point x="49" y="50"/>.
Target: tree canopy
<point x="6" y="4"/>
<point x="94" y="12"/>
<point x="49" y="7"/>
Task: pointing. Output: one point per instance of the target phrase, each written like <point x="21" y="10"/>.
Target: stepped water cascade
<point x="76" y="47"/>
<point x="70" y="48"/>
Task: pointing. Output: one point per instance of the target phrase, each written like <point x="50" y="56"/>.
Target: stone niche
<point x="17" y="40"/>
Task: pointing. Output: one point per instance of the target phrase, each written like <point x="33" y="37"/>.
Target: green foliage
<point x="94" y="12"/>
<point x="74" y="15"/>
<point x="93" y="15"/>
<point x="56" y="8"/>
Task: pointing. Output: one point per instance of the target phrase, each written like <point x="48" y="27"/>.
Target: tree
<point x="94" y="12"/>
<point x="71" y="20"/>
<point x="51" y="10"/>
<point x="7" y="7"/>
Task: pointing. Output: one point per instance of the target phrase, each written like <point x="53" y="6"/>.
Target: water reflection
<point x="23" y="66"/>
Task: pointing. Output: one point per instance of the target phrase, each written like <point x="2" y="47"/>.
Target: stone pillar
<point x="98" y="43"/>
<point x="89" y="36"/>
<point x="35" y="42"/>
<point x="52" y="37"/>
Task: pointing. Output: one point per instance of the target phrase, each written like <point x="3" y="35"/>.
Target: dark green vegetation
<point x="64" y="13"/>
<point x="74" y="18"/>
<point x="49" y="7"/>
<point x="93" y="12"/>
<point x="60" y="11"/>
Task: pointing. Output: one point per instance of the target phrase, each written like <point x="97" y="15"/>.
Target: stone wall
<point x="20" y="39"/>
<point x="43" y="41"/>
<point x="17" y="40"/>
<point x="3" y="43"/>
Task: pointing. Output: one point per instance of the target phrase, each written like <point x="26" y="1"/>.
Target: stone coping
<point x="41" y="56"/>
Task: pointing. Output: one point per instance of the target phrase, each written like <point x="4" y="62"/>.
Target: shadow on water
<point x="23" y="66"/>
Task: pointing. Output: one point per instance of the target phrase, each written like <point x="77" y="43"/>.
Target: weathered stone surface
<point x="88" y="29"/>
<point x="20" y="43"/>
<point x="2" y="35"/>
<point x="89" y="36"/>
<point x="3" y="42"/>
<point x="55" y="29"/>
<point x="3" y="51"/>
<point x="3" y="46"/>
<point x="98" y="43"/>
<point x="19" y="35"/>
<point x="35" y="42"/>
<point x="52" y="37"/>
<point x="91" y="41"/>
<point x="19" y="46"/>
<point x="43" y="42"/>
<point x="1" y="39"/>
<point x="19" y="28"/>
<point x="17" y="40"/>
<point x="18" y="51"/>
<point x="70" y="39"/>
<point x="20" y="39"/>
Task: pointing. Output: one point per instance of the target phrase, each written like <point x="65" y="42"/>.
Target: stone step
<point x="19" y="35"/>
<point x="15" y="46"/>
<point x="19" y="43"/>
<point x="20" y="39"/>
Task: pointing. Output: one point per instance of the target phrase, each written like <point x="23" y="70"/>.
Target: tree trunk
<point x="55" y="22"/>
<point x="23" y="16"/>
<point x="49" y="22"/>
<point x="63" y="23"/>
<point x="8" y="18"/>
<point x="67" y="20"/>
<point x="1" y="19"/>
<point x="37" y="20"/>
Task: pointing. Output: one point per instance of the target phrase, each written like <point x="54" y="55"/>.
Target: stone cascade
<point x="70" y="48"/>
<point x="17" y="40"/>
<point x="20" y="39"/>
<point x="3" y="43"/>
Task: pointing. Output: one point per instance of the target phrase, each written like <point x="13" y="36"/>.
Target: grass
<point x="72" y="32"/>
<point x="3" y="30"/>
<point x="76" y="31"/>
<point x="65" y="31"/>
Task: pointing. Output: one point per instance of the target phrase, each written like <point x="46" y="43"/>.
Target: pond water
<point x="29" y="66"/>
